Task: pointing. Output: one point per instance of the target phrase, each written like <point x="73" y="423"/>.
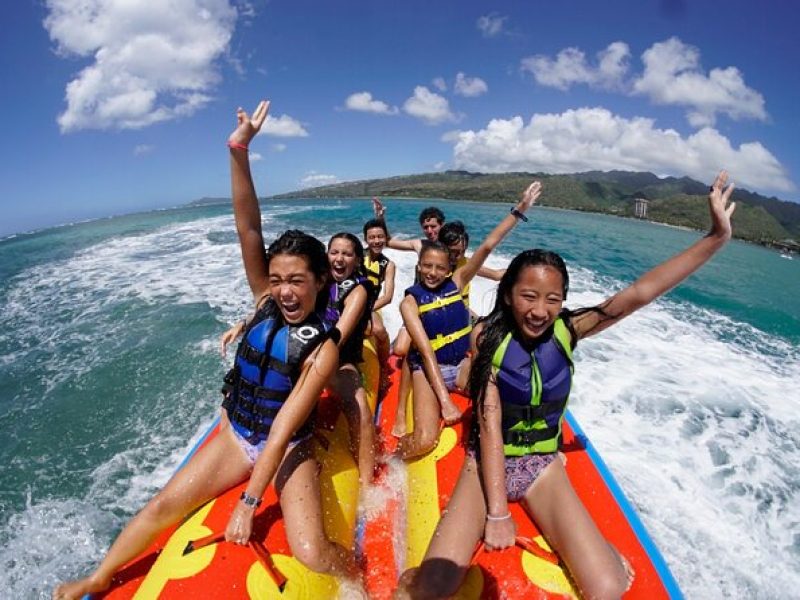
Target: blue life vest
<point x="350" y="352"/>
<point x="267" y="366"/>
<point x="445" y="317"/>
<point x="534" y="386"/>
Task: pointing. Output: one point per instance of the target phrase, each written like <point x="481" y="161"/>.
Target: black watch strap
<point x="518" y="214"/>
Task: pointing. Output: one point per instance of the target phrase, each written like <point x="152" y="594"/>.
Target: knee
<point x="427" y="438"/>
<point x="401" y="346"/>
<point x="314" y="555"/>
<point x="605" y="586"/>
<point x="162" y="509"/>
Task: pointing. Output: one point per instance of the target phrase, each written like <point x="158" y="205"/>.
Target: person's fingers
<point x="730" y="209"/>
<point x="260" y="114"/>
<point x="727" y="192"/>
<point x="720" y="180"/>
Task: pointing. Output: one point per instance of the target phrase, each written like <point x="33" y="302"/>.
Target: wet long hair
<point x="297" y="243"/>
<point x="358" y="250"/>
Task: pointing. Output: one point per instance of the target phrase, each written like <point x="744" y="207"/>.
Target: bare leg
<point x="426" y="421"/>
<point x="213" y="469"/>
<point x="382" y="346"/>
<point x="595" y="565"/>
<point x="347" y="385"/>
<point x="401" y="346"/>
<point x="450" y="551"/>
<point x="297" y="482"/>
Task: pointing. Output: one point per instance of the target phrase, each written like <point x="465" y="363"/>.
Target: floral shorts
<point x="522" y="471"/>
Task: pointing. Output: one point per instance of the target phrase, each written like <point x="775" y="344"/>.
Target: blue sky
<point x="114" y="106"/>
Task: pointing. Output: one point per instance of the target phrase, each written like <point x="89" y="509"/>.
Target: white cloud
<point x="364" y="102"/>
<point x="470" y="86"/>
<point x="142" y="149"/>
<point x="150" y="61"/>
<point x="428" y="106"/>
<point x="440" y="166"/>
<point x="283" y="126"/>
<point x="595" y="139"/>
<point x="278" y="147"/>
<point x="491" y="25"/>
<point x="314" y="179"/>
<point x="570" y="67"/>
<point x="440" y="84"/>
<point x="673" y="75"/>
<point x="255" y="157"/>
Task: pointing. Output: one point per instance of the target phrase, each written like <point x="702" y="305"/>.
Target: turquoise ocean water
<point x="109" y="371"/>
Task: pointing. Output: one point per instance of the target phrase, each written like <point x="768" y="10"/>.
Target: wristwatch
<point x="518" y="214"/>
<point x="250" y="501"/>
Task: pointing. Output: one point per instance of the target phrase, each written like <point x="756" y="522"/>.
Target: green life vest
<point x="534" y="387"/>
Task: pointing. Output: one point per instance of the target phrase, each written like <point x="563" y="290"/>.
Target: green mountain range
<point x="675" y="201"/>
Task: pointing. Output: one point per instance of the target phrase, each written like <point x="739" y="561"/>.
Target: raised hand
<point x="378" y="208"/>
<point x="248" y="127"/>
<point x="529" y="196"/>
<point x="718" y="206"/>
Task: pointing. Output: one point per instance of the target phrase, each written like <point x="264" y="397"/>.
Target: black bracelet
<point x="518" y="214"/>
<point x="250" y="501"/>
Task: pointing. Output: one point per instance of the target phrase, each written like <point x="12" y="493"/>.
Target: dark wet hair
<point x="297" y="243"/>
<point x="372" y="223"/>
<point x="453" y="232"/>
<point x="431" y="213"/>
<point x="429" y="246"/>
<point x="358" y="249"/>
<point x="500" y="321"/>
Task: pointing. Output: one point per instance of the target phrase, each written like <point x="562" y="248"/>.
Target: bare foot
<point x="79" y="588"/>
<point x="450" y="413"/>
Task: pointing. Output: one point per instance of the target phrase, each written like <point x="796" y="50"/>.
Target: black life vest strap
<point x="516" y="412"/>
<point x="257" y="427"/>
<point x="253" y="408"/>
<point x="262" y="359"/>
<point x="529" y="438"/>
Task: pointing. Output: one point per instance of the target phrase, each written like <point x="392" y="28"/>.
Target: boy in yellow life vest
<point x="380" y="271"/>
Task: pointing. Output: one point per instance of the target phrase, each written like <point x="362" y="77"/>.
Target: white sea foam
<point x="54" y="539"/>
<point x="702" y="434"/>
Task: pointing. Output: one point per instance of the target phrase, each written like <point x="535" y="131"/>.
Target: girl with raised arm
<point x="520" y="383"/>
<point x="438" y="320"/>
<point x="282" y="366"/>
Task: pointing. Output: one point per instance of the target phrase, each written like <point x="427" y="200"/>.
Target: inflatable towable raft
<point x="190" y="560"/>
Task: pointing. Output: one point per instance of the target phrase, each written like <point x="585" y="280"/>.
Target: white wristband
<point x="503" y="518"/>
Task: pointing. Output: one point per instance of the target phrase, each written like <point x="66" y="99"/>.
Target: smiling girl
<point x="282" y="366"/>
<point x="438" y="320"/>
<point x="520" y="382"/>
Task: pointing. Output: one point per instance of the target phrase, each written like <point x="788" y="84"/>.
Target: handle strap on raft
<point x="258" y="548"/>
<point x="526" y="544"/>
